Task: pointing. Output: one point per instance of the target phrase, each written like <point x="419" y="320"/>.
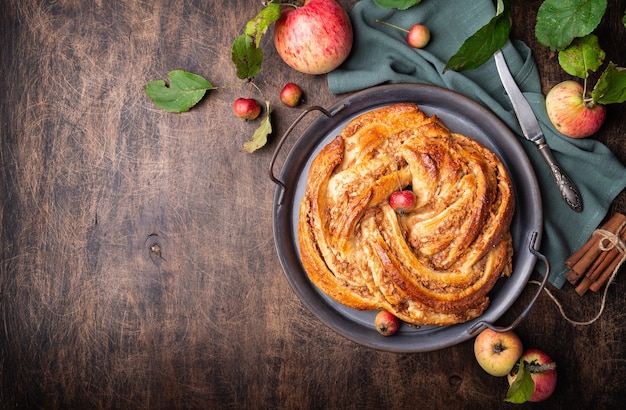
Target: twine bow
<point x="614" y="240"/>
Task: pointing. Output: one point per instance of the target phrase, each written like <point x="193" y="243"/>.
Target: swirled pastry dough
<point x="431" y="266"/>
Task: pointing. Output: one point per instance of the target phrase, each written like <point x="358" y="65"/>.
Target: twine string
<point x="608" y="242"/>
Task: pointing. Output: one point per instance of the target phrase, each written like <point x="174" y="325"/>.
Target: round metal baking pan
<point x="460" y="115"/>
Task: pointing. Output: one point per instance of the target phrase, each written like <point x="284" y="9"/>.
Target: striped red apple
<point x="571" y="112"/>
<point x="315" y="38"/>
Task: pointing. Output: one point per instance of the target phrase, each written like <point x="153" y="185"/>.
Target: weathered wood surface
<point x="138" y="268"/>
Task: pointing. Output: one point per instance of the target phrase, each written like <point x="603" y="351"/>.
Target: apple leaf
<point x="246" y="52"/>
<point x="582" y="56"/>
<point x="560" y="21"/>
<point x="396" y="4"/>
<point x="246" y="56"/>
<point x="611" y="86"/>
<point x="184" y="91"/>
<point x="258" y="26"/>
<point x="259" y="138"/>
<point x="480" y="46"/>
<point x="522" y="388"/>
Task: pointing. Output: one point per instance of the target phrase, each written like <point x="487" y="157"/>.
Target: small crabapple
<point x="290" y="94"/>
<point x="418" y="35"/>
<point x="386" y="324"/>
<point x="402" y="201"/>
<point x="247" y="108"/>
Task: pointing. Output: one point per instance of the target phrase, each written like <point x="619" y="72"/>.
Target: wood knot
<point x="455" y="381"/>
<point x="155" y="251"/>
<point x="153" y="243"/>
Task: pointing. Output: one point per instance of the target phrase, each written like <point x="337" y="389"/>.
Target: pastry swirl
<point x="431" y="266"/>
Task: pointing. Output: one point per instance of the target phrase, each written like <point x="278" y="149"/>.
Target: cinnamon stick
<point x="583" y="286"/>
<point x="614" y="258"/>
<point x="583" y="259"/>
<point x="598" y="265"/>
<point x="594" y="272"/>
<point x="604" y="262"/>
<point x="606" y="274"/>
<point x="572" y="277"/>
<point x="575" y="257"/>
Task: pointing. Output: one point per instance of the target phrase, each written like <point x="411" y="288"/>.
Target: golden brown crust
<point x="432" y="266"/>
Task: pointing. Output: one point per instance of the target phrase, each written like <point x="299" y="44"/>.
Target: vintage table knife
<point x="532" y="132"/>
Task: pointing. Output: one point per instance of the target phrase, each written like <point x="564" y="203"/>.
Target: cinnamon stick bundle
<point x="592" y="265"/>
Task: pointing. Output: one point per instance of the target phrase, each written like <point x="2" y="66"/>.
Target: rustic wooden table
<point x="138" y="267"/>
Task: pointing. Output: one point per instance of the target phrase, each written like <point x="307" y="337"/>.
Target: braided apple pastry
<point x="433" y="265"/>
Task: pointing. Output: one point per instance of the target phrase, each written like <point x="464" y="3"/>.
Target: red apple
<point x="419" y="36"/>
<point x="571" y="113"/>
<point x="290" y="94"/>
<point x="246" y="108"/>
<point x="315" y="38"/>
<point x="402" y="201"/>
<point x="497" y="352"/>
<point x="386" y="324"/>
<point x="543" y="372"/>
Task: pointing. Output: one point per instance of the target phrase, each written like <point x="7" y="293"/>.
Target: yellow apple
<point x="497" y="352"/>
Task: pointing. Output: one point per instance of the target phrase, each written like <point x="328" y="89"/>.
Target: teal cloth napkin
<point x="380" y="55"/>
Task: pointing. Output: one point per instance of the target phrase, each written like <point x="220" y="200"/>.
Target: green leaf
<point x="246" y="56"/>
<point x="582" y="56"/>
<point x="259" y="138"/>
<point x="611" y="86"/>
<point x="522" y="388"/>
<point x="184" y="91"/>
<point x="560" y="21"/>
<point x="258" y="26"/>
<point x="501" y="6"/>
<point x="396" y="4"/>
<point x="480" y="46"/>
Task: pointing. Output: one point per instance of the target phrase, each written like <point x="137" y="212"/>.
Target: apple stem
<point x="588" y="101"/>
<point x="398" y="176"/>
<point x="392" y="25"/>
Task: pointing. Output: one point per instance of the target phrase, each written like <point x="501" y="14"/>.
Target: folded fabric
<point x="380" y="55"/>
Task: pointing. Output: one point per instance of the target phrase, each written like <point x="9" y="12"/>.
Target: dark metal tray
<point x="461" y="115"/>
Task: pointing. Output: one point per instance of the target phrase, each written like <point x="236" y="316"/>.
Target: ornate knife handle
<point x="566" y="187"/>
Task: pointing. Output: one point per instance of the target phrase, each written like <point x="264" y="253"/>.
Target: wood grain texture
<point x="137" y="265"/>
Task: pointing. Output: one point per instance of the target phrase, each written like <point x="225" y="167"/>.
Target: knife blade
<point x="532" y="132"/>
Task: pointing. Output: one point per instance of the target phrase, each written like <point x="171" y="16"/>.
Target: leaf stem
<point x="538" y="368"/>
<point x="257" y="88"/>
<point x="294" y="4"/>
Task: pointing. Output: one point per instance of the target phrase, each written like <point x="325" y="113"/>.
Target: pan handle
<point x="479" y="326"/>
<point x="286" y="134"/>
